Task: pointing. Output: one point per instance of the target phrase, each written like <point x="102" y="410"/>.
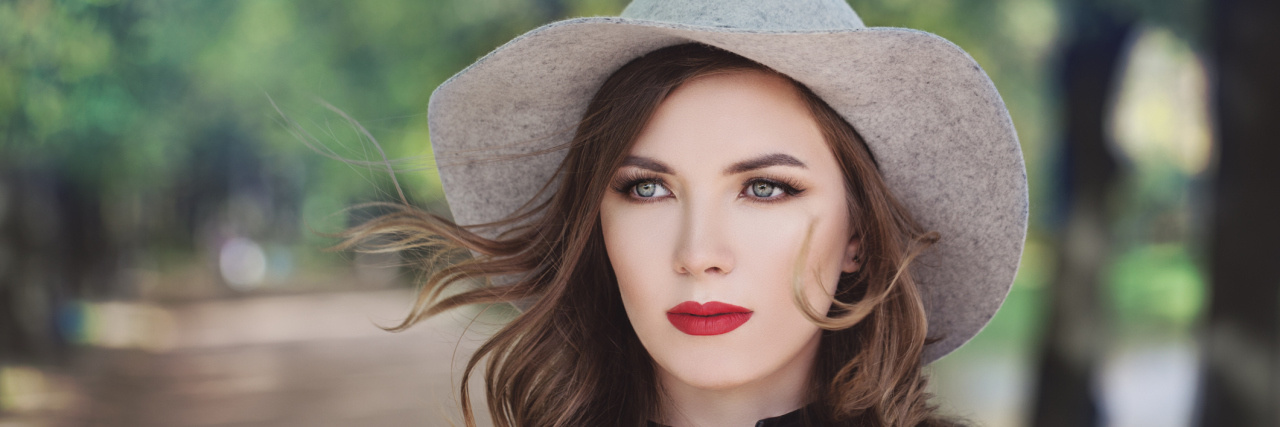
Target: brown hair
<point x="572" y="358"/>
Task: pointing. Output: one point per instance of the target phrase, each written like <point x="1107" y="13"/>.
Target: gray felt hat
<point x="933" y="120"/>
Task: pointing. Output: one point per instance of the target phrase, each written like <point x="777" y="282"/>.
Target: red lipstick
<point x="712" y="318"/>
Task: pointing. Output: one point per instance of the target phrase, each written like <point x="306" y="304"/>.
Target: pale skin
<point x="714" y="204"/>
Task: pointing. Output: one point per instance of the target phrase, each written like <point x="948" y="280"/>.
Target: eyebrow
<point x="646" y="163"/>
<point x="767" y="160"/>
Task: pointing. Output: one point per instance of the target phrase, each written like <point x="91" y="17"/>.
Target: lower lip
<point x="708" y="325"/>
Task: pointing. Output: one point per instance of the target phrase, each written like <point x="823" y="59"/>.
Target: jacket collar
<point x="803" y="417"/>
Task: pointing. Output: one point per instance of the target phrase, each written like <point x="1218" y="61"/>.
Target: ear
<point x="853" y="257"/>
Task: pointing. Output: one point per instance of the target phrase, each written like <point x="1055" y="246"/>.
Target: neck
<point x="783" y="391"/>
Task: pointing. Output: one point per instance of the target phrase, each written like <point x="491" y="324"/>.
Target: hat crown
<point x="765" y="15"/>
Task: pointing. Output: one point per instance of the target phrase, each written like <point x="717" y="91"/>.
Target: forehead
<point x="724" y="117"/>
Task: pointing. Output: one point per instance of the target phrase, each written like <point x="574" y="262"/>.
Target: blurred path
<point x="298" y="360"/>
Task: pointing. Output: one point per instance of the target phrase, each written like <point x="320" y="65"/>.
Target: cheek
<point x="773" y="246"/>
<point x="631" y="236"/>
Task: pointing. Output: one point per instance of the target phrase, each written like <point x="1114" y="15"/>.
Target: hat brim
<point x="935" y="123"/>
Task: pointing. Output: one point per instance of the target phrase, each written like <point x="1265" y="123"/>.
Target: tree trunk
<point x="1076" y="326"/>
<point x="1241" y="349"/>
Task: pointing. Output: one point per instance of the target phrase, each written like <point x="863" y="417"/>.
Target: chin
<point x="720" y="365"/>
<point x="717" y="374"/>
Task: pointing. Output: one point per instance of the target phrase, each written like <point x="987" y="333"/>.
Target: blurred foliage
<point x="1157" y="285"/>
<point x="148" y="103"/>
<point x="1162" y="130"/>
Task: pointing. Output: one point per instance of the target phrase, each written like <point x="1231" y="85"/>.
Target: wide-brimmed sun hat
<point x="932" y="118"/>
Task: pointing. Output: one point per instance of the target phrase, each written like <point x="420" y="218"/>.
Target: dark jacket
<point x="797" y="418"/>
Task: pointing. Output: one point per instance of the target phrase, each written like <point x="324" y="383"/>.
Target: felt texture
<point x="933" y="120"/>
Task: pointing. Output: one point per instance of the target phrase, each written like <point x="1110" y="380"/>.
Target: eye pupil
<point x="762" y="189"/>
<point x="646" y="189"/>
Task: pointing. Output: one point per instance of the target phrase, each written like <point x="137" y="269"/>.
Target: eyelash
<point x="626" y="184"/>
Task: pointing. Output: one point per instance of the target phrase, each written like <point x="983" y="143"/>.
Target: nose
<point x="703" y="250"/>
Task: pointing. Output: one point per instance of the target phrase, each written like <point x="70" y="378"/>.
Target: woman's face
<point x="705" y="227"/>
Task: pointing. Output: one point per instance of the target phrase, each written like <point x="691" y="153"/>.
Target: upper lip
<point x="711" y="308"/>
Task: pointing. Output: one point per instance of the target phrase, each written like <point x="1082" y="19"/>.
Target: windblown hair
<point x="572" y="358"/>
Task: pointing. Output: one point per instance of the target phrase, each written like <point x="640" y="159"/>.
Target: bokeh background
<point x="162" y="260"/>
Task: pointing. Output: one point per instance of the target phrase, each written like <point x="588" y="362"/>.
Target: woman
<point x="699" y="238"/>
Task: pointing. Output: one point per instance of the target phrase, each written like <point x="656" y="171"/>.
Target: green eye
<point x="764" y="189"/>
<point x="646" y="189"/>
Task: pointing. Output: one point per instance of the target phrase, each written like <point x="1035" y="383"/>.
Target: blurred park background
<point x="160" y="263"/>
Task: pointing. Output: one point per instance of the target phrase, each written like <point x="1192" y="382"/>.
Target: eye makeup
<point x="790" y="188"/>
<point x="625" y="184"/>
